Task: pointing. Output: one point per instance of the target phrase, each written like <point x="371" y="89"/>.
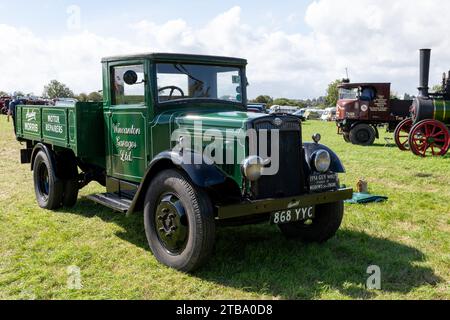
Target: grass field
<point x="408" y="237"/>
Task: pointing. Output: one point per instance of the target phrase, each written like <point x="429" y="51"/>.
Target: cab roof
<point x="177" y="57"/>
<point x="364" y="84"/>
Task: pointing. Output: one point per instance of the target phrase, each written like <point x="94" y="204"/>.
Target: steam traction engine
<point x="427" y="131"/>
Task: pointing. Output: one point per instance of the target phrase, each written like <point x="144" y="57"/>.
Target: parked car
<point x="301" y="114"/>
<point x="256" y="107"/>
<point x="329" y="114"/>
<point x="313" y="114"/>
<point x="283" y="109"/>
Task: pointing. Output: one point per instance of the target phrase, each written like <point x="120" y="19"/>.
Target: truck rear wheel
<point x="179" y="222"/>
<point x="70" y="182"/>
<point x="363" y="135"/>
<point x="320" y="229"/>
<point x="346" y="137"/>
<point x="70" y="196"/>
<point x="48" y="188"/>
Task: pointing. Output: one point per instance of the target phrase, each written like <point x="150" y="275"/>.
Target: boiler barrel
<point x="437" y="109"/>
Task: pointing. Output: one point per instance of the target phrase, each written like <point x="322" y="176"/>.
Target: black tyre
<point x="69" y="173"/>
<point x="70" y="195"/>
<point x="179" y="222"/>
<point x="48" y="188"/>
<point x="346" y="137"/>
<point x="363" y="135"/>
<point x="320" y="229"/>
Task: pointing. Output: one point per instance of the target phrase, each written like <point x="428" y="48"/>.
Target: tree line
<point x="56" y="89"/>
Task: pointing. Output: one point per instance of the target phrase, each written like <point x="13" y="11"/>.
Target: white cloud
<point x="376" y="40"/>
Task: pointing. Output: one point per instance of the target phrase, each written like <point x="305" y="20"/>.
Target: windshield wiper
<point x="184" y="71"/>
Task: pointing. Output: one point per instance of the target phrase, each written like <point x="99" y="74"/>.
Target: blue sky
<point x="294" y="48"/>
<point x="47" y="17"/>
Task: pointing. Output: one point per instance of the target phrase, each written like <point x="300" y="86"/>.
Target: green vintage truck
<point x="173" y="139"/>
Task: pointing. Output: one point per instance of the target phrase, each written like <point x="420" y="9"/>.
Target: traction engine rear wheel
<point x="401" y="134"/>
<point x="429" y="137"/>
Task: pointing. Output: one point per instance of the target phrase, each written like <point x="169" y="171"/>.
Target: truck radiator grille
<point x="289" y="180"/>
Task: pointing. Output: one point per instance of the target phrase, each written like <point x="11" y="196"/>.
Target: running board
<point x="112" y="201"/>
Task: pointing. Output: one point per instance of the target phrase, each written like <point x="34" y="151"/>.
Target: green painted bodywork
<point x="79" y="127"/>
<point x="442" y="110"/>
<point x="124" y="139"/>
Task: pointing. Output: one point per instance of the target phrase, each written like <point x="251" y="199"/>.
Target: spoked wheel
<point x="429" y="137"/>
<point x="401" y="134"/>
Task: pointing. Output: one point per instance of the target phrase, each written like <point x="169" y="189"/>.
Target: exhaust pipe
<point x="425" y="56"/>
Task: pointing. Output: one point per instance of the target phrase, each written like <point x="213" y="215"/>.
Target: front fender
<point x="201" y="174"/>
<point x="336" y="164"/>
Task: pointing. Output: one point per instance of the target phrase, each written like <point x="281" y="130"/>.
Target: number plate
<point x="292" y="215"/>
<point x="323" y="182"/>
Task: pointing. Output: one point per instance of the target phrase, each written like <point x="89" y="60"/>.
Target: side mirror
<point x="130" y="77"/>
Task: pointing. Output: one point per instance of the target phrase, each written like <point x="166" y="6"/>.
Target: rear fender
<point x="50" y="155"/>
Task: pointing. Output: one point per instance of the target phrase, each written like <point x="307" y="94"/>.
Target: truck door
<point x="126" y="122"/>
<point x="368" y="95"/>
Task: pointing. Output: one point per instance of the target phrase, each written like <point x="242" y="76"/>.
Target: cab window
<point x="368" y="94"/>
<point x="128" y="94"/>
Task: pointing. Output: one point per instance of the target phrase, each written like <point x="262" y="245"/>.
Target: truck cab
<point x="173" y="139"/>
<point x="364" y="107"/>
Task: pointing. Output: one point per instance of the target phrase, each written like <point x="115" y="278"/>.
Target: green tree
<point x="95" y="97"/>
<point x="437" y="88"/>
<point x="82" y="97"/>
<point x="264" y="99"/>
<point x="394" y="95"/>
<point x="332" y="93"/>
<point x="3" y="93"/>
<point x="56" y="89"/>
<point x="18" y="94"/>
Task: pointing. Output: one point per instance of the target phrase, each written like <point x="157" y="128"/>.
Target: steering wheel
<point x="172" y="90"/>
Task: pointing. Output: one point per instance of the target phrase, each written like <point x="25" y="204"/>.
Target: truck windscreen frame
<point x="177" y="82"/>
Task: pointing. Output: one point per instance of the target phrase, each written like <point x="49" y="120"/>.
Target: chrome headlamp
<point x="321" y="161"/>
<point x="252" y="168"/>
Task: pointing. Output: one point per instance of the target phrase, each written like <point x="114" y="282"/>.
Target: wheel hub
<point x="171" y="224"/>
<point x="363" y="135"/>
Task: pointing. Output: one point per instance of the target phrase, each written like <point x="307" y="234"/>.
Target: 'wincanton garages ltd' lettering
<point x="126" y="146"/>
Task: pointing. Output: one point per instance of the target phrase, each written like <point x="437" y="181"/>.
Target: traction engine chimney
<point x="425" y="55"/>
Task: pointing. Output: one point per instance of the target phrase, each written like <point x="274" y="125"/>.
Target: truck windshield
<point x="189" y="82"/>
<point x="348" y="94"/>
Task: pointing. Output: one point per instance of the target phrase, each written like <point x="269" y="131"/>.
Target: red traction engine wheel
<point x="429" y="137"/>
<point x="401" y="134"/>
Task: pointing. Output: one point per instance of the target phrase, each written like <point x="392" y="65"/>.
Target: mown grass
<point x="407" y="237"/>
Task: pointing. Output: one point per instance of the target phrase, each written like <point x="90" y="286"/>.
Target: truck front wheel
<point x="320" y="229"/>
<point x="48" y="188"/>
<point x="363" y="135"/>
<point x="179" y="222"/>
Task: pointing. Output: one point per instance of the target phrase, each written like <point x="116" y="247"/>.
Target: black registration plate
<point x="292" y="215"/>
<point x="323" y="182"/>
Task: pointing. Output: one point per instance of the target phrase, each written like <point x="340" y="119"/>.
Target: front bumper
<point x="251" y="208"/>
